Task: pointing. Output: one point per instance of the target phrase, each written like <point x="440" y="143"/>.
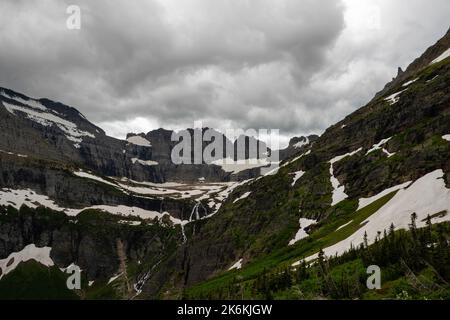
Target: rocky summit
<point x="373" y="189"/>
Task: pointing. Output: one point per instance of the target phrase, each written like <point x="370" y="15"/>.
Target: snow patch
<point x="409" y="82"/>
<point x="152" y="184"/>
<point x="46" y="119"/>
<point x="378" y="145"/>
<point x="136" y="212"/>
<point x="301" y="233"/>
<point x="237" y="265"/>
<point x="30" y="252"/>
<point x="446" y="137"/>
<point x="17" y="198"/>
<point x="436" y="76"/>
<point x="297" y="175"/>
<point x="139" y="141"/>
<point x="245" y="195"/>
<point x="229" y="165"/>
<point x="114" y="278"/>
<point x="14" y="154"/>
<point x="130" y="222"/>
<point x="443" y="56"/>
<point x="91" y="176"/>
<point x="338" y="190"/>
<point x="364" y="202"/>
<point x="30" y="103"/>
<point x="144" y="162"/>
<point x="426" y="196"/>
<point x="301" y="143"/>
<point x="394" y="98"/>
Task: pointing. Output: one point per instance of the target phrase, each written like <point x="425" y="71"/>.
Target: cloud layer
<point x="292" y="65"/>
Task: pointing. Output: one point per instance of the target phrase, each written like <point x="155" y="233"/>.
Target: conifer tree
<point x="366" y="241"/>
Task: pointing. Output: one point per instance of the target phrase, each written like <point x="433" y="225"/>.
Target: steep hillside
<point x="379" y="165"/>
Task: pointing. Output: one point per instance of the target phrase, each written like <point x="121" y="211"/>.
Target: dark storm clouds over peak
<point x="292" y="65"/>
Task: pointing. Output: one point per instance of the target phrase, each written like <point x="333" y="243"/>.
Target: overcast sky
<point x="294" y="65"/>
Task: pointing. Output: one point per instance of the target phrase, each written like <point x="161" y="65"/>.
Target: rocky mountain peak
<point x="433" y="52"/>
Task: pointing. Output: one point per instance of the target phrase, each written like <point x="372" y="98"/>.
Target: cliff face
<point x="90" y="240"/>
<point x="48" y="130"/>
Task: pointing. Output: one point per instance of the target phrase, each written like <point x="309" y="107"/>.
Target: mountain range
<point x="141" y="227"/>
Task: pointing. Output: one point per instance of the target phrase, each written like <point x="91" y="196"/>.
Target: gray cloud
<point x="294" y="65"/>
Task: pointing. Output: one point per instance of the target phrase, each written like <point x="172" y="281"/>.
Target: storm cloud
<point x="292" y="65"/>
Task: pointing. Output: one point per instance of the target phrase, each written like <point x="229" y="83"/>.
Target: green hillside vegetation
<point x="34" y="281"/>
<point x="415" y="264"/>
<point x="325" y="235"/>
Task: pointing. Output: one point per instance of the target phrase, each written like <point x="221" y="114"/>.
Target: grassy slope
<point x="321" y="238"/>
<point x="428" y="149"/>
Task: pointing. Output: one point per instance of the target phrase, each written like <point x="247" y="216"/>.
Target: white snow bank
<point x="443" y="56"/>
<point x="297" y="175"/>
<point x="151" y="184"/>
<point x="91" y="176"/>
<point x="139" y="141"/>
<point x="14" y="154"/>
<point x="47" y="119"/>
<point x="144" y="162"/>
<point x="426" y="196"/>
<point x="114" y="278"/>
<point x="394" y="98"/>
<point x="245" y="195"/>
<point x="338" y="190"/>
<point x="130" y="222"/>
<point x="301" y="233"/>
<point x="199" y="191"/>
<point x="364" y="202"/>
<point x="436" y="76"/>
<point x="17" y="198"/>
<point x="446" y="137"/>
<point x="30" y="103"/>
<point x="229" y="165"/>
<point x="223" y="195"/>
<point x="301" y="143"/>
<point x="378" y="145"/>
<point x="409" y="82"/>
<point x="136" y="212"/>
<point x="30" y="252"/>
<point x="237" y="265"/>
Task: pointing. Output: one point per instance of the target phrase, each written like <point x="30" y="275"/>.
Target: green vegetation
<point x="325" y="235"/>
<point x="414" y="264"/>
<point x="31" y="280"/>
